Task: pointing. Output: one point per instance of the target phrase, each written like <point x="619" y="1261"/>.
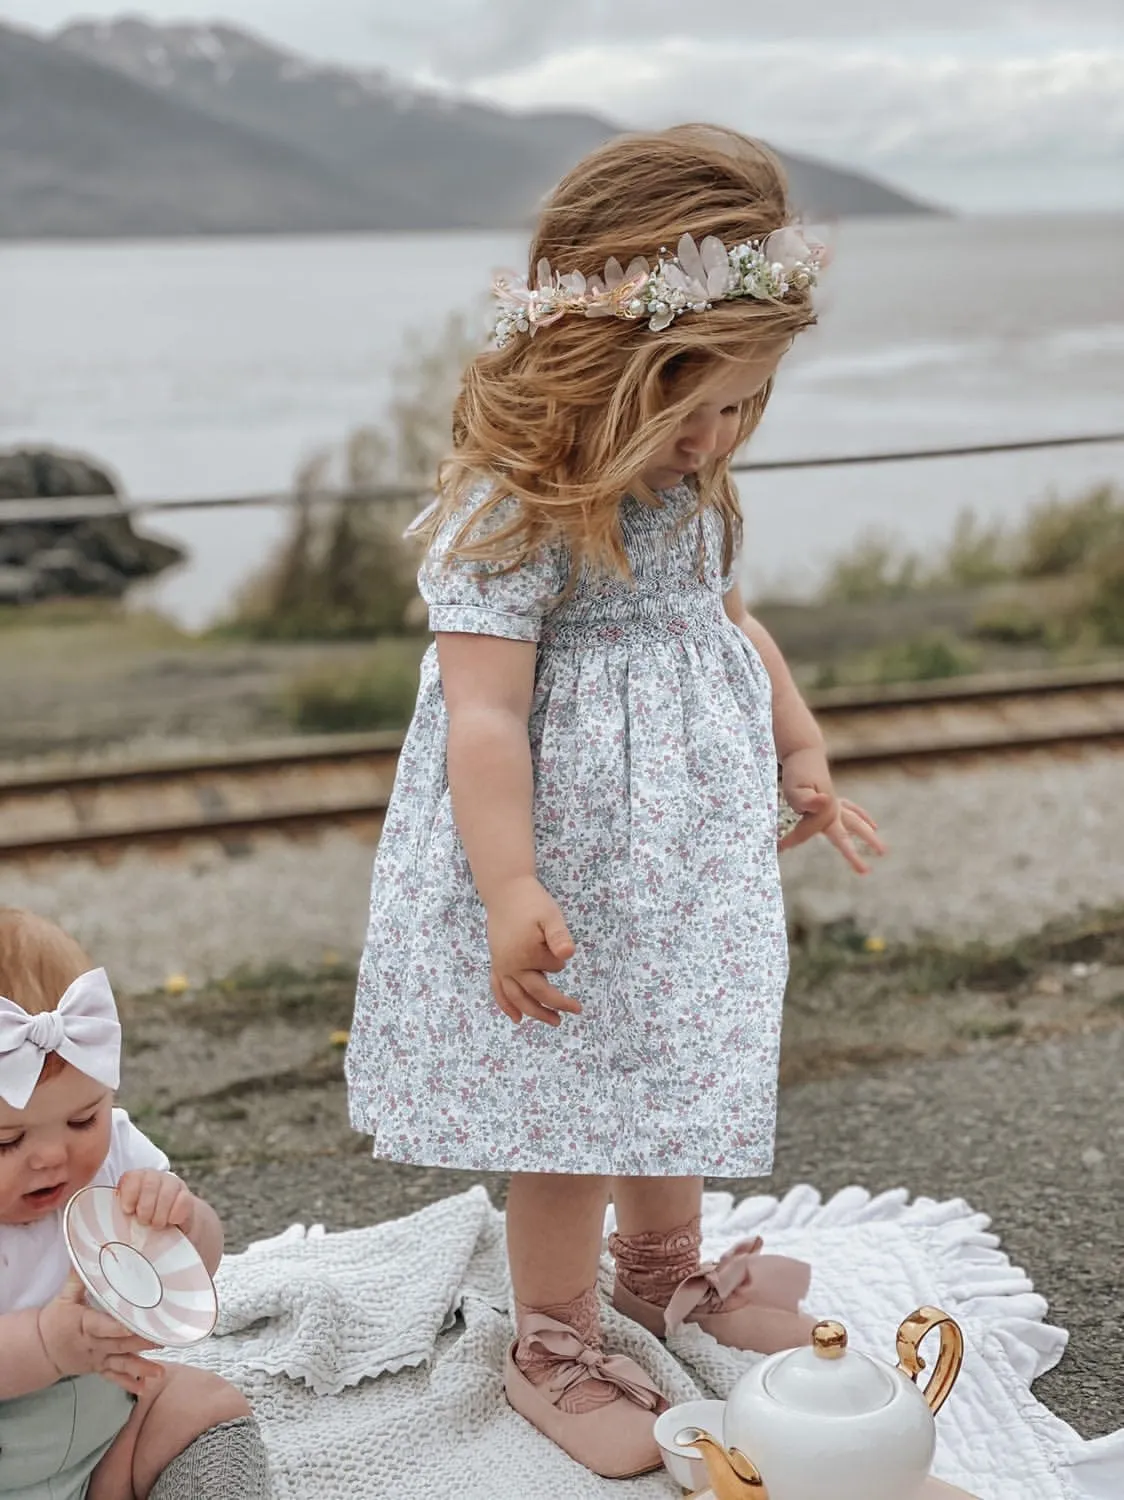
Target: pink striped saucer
<point x="151" y="1280"/>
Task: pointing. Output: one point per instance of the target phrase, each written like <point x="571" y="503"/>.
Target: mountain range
<point x="128" y="128"/>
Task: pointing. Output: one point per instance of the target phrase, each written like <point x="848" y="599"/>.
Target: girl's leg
<point x="657" y="1241"/>
<point x="189" y="1406"/>
<point x="554" y="1226"/>
<point x="651" y="1205"/>
<point x="747" y="1300"/>
<point x="600" y="1409"/>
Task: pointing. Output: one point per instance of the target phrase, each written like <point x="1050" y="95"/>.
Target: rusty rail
<point x="291" y="787"/>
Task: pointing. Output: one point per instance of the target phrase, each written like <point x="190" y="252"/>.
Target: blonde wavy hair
<point x="565" y="422"/>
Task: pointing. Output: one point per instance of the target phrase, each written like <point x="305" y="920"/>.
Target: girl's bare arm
<point x="794" y="725"/>
<point x="488" y="685"/>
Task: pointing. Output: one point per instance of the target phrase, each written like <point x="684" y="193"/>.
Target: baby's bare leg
<point x="187" y="1403"/>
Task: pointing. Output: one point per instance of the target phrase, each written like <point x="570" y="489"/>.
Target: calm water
<point x="211" y="367"/>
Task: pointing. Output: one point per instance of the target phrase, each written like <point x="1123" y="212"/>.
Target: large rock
<point x="64" y="558"/>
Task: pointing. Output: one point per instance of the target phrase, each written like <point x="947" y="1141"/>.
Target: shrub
<point x="875" y="568"/>
<point x="1012" y="622"/>
<point x="344" y="571"/>
<point x="978" y="554"/>
<point x="1065" y="536"/>
<point x="377" y="694"/>
<point x="1058" y="537"/>
<point x="1105" y="604"/>
<point x="924" y="660"/>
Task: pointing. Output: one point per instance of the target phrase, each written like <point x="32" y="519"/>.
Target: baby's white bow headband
<point x="84" y="1031"/>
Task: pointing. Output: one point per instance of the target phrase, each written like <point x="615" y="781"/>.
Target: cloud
<point x="459" y="40"/>
<point x="491" y="36"/>
<point x="907" y="115"/>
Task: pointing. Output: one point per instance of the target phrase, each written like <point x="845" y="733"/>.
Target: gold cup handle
<point x="915" y="1328"/>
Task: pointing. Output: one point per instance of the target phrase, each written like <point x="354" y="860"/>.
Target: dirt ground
<point x="80" y="680"/>
<point x="257" y="1072"/>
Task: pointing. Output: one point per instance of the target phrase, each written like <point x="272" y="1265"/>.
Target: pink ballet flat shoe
<point x="746" y="1300"/>
<point x="615" y="1438"/>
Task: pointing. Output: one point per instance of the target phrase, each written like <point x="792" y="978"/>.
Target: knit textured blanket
<point x="374" y="1357"/>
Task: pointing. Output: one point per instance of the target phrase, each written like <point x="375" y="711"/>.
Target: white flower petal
<point x="786" y="247"/>
<point x="690" y="259"/>
<point x="716" y="266"/>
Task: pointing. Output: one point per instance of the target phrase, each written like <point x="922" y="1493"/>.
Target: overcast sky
<point x="984" y="104"/>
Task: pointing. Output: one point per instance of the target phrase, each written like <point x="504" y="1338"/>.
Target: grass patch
<point x="918" y="968"/>
<point x="379" y="693"/>
<point x="928" y="658"/>
<point x="104" y="621"/>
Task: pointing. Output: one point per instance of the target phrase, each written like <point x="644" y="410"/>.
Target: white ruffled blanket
<point x="374" y="1357"/>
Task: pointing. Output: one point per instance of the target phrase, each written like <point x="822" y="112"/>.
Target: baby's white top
<point x="34" y="1264"/>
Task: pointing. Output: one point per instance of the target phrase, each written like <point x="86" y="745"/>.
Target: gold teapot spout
<point x="731" y="1475"/>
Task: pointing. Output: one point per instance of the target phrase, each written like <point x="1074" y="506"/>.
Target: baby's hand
<point x="78" y="1340"/>
<point x="808" y="790"/>
<point x="528" y="938"/>
<point x="158" y="1199"/>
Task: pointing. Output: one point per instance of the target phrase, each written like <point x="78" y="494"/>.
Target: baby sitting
<point x="83" y="1414"/>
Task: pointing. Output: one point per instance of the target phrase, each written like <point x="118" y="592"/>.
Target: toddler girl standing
<point x="589" y="782"/>
<point x="83" y="1416"/>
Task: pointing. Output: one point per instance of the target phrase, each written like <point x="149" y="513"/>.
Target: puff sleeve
<point x="474" y="597"/>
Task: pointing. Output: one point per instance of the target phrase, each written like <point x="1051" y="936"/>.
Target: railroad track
<point x="346" y="780"/>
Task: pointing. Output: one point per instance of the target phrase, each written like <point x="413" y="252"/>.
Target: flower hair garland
<point x="691" y="280"/>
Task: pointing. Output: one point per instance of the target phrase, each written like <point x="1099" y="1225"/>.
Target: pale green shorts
<point x="52" y="1441"/>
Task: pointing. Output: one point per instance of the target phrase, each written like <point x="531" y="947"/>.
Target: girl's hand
<point x="78" y="1340"/>
<point x="808" y="790"/>
<point x="528" y="939"/>
<point x="158" y="1199"/>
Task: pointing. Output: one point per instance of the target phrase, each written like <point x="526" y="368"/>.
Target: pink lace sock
<point x="651" y="1265"/>
<point x="583" y="1315"/>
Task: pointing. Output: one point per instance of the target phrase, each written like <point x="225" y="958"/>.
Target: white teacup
<point x="685" y="1465"/>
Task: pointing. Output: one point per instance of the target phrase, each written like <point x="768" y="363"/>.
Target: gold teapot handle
<point x="949" y="1360"/>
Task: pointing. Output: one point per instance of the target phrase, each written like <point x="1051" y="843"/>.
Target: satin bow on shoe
<point x="742" y="1278"/>
<point x="574" y="1361"/>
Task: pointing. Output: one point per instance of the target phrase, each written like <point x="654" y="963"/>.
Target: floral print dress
<point x="655" y="815"/>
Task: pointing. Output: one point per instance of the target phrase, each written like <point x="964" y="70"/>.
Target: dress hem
<point x="755" y="1166"/>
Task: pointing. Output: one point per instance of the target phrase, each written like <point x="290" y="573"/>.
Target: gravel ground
<point x="990" y="851"/>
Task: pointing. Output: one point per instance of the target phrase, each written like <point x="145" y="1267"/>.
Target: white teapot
<point x="827" y="1421"/>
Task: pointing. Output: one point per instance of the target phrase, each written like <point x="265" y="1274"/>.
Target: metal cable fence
<point x="94" y="507"/>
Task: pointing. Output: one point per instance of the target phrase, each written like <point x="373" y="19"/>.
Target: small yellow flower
<point x="875" y="945"/>
<point x="177" y="984"/>
<point x="340" y="1038"/>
